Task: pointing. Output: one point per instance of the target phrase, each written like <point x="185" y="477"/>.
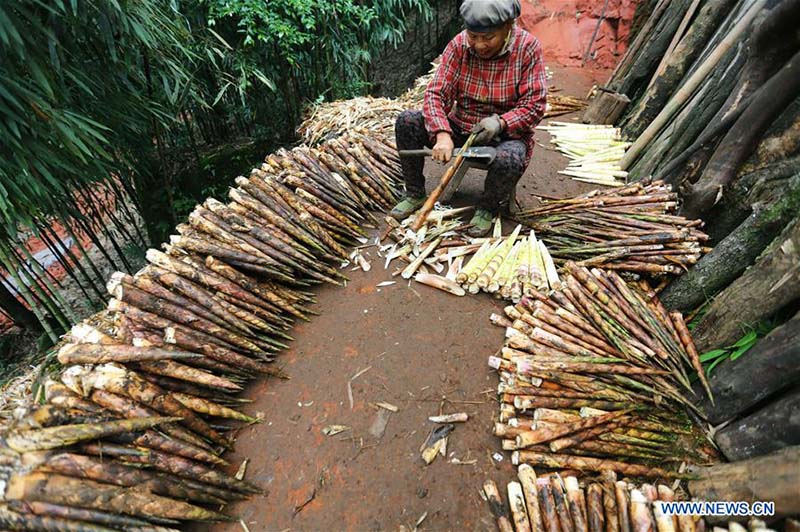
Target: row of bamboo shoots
<point x="132" y="432"/>
<point x="596" y="376"/>
<point x="594" y="152"/>
<point x="604" y="504"/>
<point x="632" y="228"/>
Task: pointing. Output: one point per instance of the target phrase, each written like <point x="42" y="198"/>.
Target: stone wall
<point x="395" y="70"/>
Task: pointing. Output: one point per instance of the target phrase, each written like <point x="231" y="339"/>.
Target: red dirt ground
<point x="425" y="352"/>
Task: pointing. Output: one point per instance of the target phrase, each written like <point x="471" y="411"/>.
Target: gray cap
<point x="486" y="15"/>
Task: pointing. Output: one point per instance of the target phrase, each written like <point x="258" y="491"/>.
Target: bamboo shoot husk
<point x="585" y="463"/>
<point x="57" y="511"/>
<point x="83" y="493"/>
<point x="65" y="435"/>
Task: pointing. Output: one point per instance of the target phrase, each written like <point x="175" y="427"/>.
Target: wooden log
<point x="742" y="138"/>
<point x="647" y="14"/>
<point x="763" y="185"/>
<point x="647" y="59"/>
<point x="606" y="107"/>
<point x="676" y="66"/>
<point x="735" y="253"/>
<point x="694" y="119"/>
<point x="772" y="427"/>
<point x="773" y="477"/>
<point x="769" y="367"/>
<point x="688" y="87"/>
<point x="759" y="293"/>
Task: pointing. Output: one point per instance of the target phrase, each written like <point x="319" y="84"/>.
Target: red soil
<point x="565" y="28"/>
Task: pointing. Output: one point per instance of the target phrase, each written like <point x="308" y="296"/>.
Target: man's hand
<point x="443" y="150"/>
<point x="487" y="129"/>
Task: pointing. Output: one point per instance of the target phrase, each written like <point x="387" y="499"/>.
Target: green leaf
<point x="713" y="354"/>
<point x="742" y="350"/>
<point x="714" y="365"/>
<point x="748" y="338"/>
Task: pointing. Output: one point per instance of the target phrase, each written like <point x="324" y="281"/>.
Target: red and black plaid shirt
<point x="467" y="88"/>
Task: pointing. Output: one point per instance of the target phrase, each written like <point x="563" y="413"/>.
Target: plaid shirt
<point x="467" y="88"/>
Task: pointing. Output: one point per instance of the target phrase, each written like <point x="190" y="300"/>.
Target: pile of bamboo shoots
<point x="632" y="229"/>
<point x="510" y="267"/>
<point x="556" y="503"/>
<point x="329" y="120"/>
<point x="506" y="266"/>
<point x="131" y="433"/>
<point x="594" y="152"/>
<point x="596" y="376"/>
<point x="558" y="105"/>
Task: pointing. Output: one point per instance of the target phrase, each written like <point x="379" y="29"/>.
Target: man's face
<point x="488" y="45"/>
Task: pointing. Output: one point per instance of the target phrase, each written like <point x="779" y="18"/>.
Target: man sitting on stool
<point x="491" y="81"/>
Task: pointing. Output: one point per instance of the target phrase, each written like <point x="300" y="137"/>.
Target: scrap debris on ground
<point x="441" y="255"/>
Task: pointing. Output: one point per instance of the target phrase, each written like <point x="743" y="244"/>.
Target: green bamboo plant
<point x="100" y="101"/>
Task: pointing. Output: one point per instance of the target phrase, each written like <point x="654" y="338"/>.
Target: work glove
<point x="487" y="130"/>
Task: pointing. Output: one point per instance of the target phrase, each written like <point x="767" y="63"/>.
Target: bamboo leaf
<point x="712" y="355"/>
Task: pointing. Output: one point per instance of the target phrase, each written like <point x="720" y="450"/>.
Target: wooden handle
<point x="415" y="153"/>
<point x="426" y="209"/>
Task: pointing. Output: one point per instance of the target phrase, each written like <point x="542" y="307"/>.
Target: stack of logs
<point x="131" y="436"/>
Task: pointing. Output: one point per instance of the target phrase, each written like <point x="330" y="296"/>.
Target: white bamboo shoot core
<point x="595" y="152"/>
<point x="458" y="417"/>
<point x="442" y="283"/>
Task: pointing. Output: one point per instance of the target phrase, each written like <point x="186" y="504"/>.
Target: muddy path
<point x="411" y="346"/>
